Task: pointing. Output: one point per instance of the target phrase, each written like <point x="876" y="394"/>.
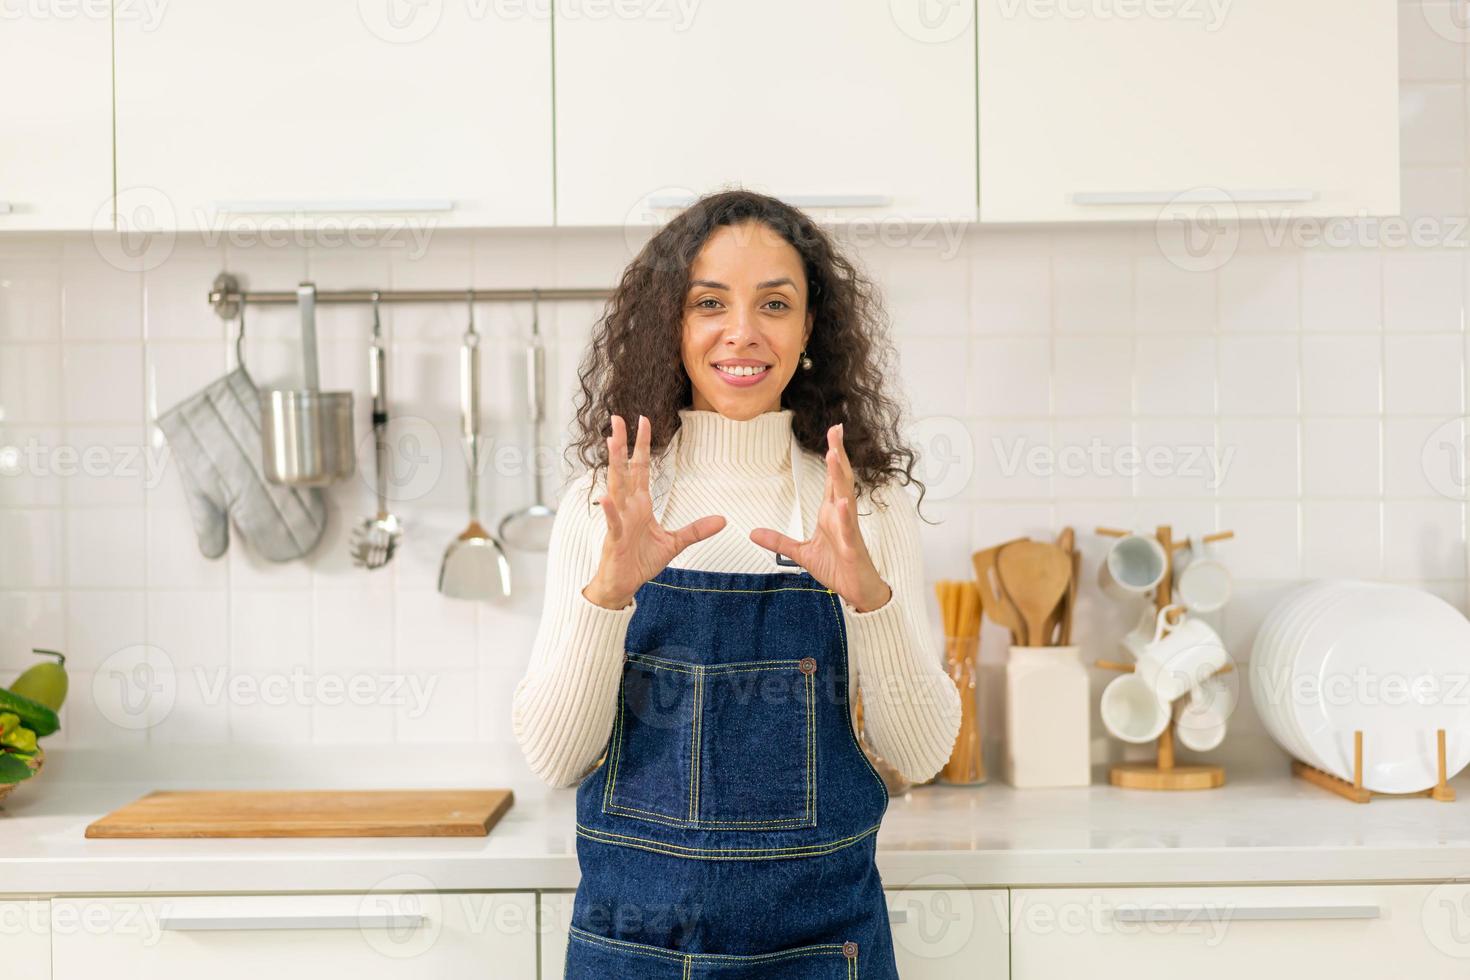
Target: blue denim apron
<point x="730" y="832"/>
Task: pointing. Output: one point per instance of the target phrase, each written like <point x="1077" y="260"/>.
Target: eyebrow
<point x="768" y="284"/>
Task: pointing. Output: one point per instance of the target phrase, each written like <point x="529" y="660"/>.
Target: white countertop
<point x="1257" y="828"/>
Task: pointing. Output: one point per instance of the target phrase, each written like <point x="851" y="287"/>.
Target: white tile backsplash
<point x="1309" y="397"/>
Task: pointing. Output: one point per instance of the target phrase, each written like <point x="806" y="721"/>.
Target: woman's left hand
<point x="835" y="554"/>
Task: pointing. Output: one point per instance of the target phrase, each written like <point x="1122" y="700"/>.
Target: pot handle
<point x="306" y="303"/>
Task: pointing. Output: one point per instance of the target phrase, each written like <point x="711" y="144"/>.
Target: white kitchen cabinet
<point x="336" y="116"/>
<point x="1095" y="112"/>
<point x="950" y="934"/>
<point x="56" y="118"/>
<point x="855" y="111"/>
<point x="1224" y="933"/>
<point x="371" y="936"/>
<point x="938" y="934"/>
<point x="25" y="937"/>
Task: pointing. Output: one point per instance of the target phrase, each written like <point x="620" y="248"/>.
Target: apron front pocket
<point x="592" y="956"/>
<point x="721" y="747"/>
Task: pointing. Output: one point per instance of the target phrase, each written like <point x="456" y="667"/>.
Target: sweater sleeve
<point x="562" y="708"/>
<point x="911" y="707"/>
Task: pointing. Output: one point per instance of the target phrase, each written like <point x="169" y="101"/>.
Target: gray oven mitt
<point x="214" y="436"/>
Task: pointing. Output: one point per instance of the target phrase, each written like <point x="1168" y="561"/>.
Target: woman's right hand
<point x="636" y="547"/>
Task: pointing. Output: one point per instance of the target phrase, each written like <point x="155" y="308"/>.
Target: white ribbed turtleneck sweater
<point x="563" y="707"/>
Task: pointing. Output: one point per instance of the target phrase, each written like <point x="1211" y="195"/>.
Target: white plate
<point x="1270" y="684"/>
<point x="1395" y="663"/>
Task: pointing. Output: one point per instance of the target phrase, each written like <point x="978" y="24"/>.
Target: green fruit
<point x="45" y="683"/>
<point x="33" y="714"/>
<point x="14" y="769"/>
<point x="15" y="736"/>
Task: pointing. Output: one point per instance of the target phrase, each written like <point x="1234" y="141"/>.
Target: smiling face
<point x="745" y="320"/>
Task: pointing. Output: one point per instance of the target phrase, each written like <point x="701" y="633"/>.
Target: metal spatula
<point x="474" y="565"/>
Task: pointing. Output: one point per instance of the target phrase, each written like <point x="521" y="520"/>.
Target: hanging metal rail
<point x="226" y="295"/>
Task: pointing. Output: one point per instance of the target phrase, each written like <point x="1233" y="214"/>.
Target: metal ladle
<point x="474" y="565"/>
<point x="375" y="539"/>
<point x="530" y="527"/>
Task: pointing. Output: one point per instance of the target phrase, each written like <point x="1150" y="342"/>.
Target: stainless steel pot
<point x="306" y="434"/>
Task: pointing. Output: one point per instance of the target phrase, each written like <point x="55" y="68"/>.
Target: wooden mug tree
<point x="1163" y="772"/>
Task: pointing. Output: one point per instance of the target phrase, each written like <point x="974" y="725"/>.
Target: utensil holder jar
<point x="1048" y="720"/>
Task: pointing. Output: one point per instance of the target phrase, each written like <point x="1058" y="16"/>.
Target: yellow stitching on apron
<point x="811" y="748"/>
<point x="612" y="776"/>
<point x="694" y="732"/>
<point x="815" y="949"/>
<point x="723" y="854"/>
<point x="670" y="821"/>
<point x="687" y="962"/>
<point x="842" y="633"/>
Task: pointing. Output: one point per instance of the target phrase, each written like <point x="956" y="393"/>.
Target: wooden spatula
<point x="996" y="603"/>
<point x="1035" y="575"/>
<point x="1066" y="541"/>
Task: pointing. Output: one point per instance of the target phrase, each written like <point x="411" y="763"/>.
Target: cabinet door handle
<point x="255" y="923"/>
<point x="1256" y="913"/>
<point x="898" y="917"/>
<point x="795" y="200"/>
<point x="334" y="206"/>
<point x="1209" y="195"/>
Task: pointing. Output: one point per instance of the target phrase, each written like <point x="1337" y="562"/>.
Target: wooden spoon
<point x="1035" y="575"/>
<point x="1067" y="542"/>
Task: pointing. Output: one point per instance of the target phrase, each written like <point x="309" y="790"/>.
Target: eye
<point x="708" y="299"/>
<point x="781" y="303"/>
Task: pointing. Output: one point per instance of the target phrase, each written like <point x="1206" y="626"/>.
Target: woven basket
<point x="35" y="762"/>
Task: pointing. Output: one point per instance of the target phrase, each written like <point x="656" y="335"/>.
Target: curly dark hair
<point x="633" y="364"/>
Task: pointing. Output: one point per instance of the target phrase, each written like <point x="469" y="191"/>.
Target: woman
<point x="729" y="828"/>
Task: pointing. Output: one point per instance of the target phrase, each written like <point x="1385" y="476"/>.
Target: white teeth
<point x="740" y="371"/>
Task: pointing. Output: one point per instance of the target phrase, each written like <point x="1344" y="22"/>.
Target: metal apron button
<point x="807" y="665"/>
<point x="849" y="949"/>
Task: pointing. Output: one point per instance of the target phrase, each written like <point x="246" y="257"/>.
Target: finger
<point x="697" y="530"/>
<point x="617" y="457"/>
<point x="844" y="465"/>
<point x="614" y="519"/>
<point x="638" y="468"/>
<point x="773" y="540"/>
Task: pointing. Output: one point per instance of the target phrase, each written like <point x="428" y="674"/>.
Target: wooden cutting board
<point x="307" y="813"/>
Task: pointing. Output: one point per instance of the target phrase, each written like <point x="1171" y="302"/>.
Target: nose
<point x="741" y="327"/>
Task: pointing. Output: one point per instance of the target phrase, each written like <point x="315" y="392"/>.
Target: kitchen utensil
<point x="1203" y="583"/>
<point x="1048" y="738"/>
<point x="1051" y="629"/>
<point x="307" y="433"/>
<point x="375" y="539"/>
<point x="1070" y="613"/>
<point x="307" y="813"/>
<point x="474" y="566"/>
<point x="960" y="606"/>
<point x="1134" y="565"/>
<point x="530" y="528"/>
<point x="1034" y="574"/>
<point x="1131" y="709"/>
<point x="214" y="436"/>
<point x="996" y="604"/>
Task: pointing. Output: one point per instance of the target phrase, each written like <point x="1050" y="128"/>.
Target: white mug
<point x="1134" y="565"/>
<point x="1131" y="710"/>
<point x="1204" y="584"/>
<point x="1180" y="655"/>
<point x="1203" y="720"/>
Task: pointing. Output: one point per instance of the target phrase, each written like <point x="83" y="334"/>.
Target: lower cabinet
<point x="25" y="939"/>
<point x="938" y="934"/>
<point x="1264" y="933"/>
<point x="371" y="936"/>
